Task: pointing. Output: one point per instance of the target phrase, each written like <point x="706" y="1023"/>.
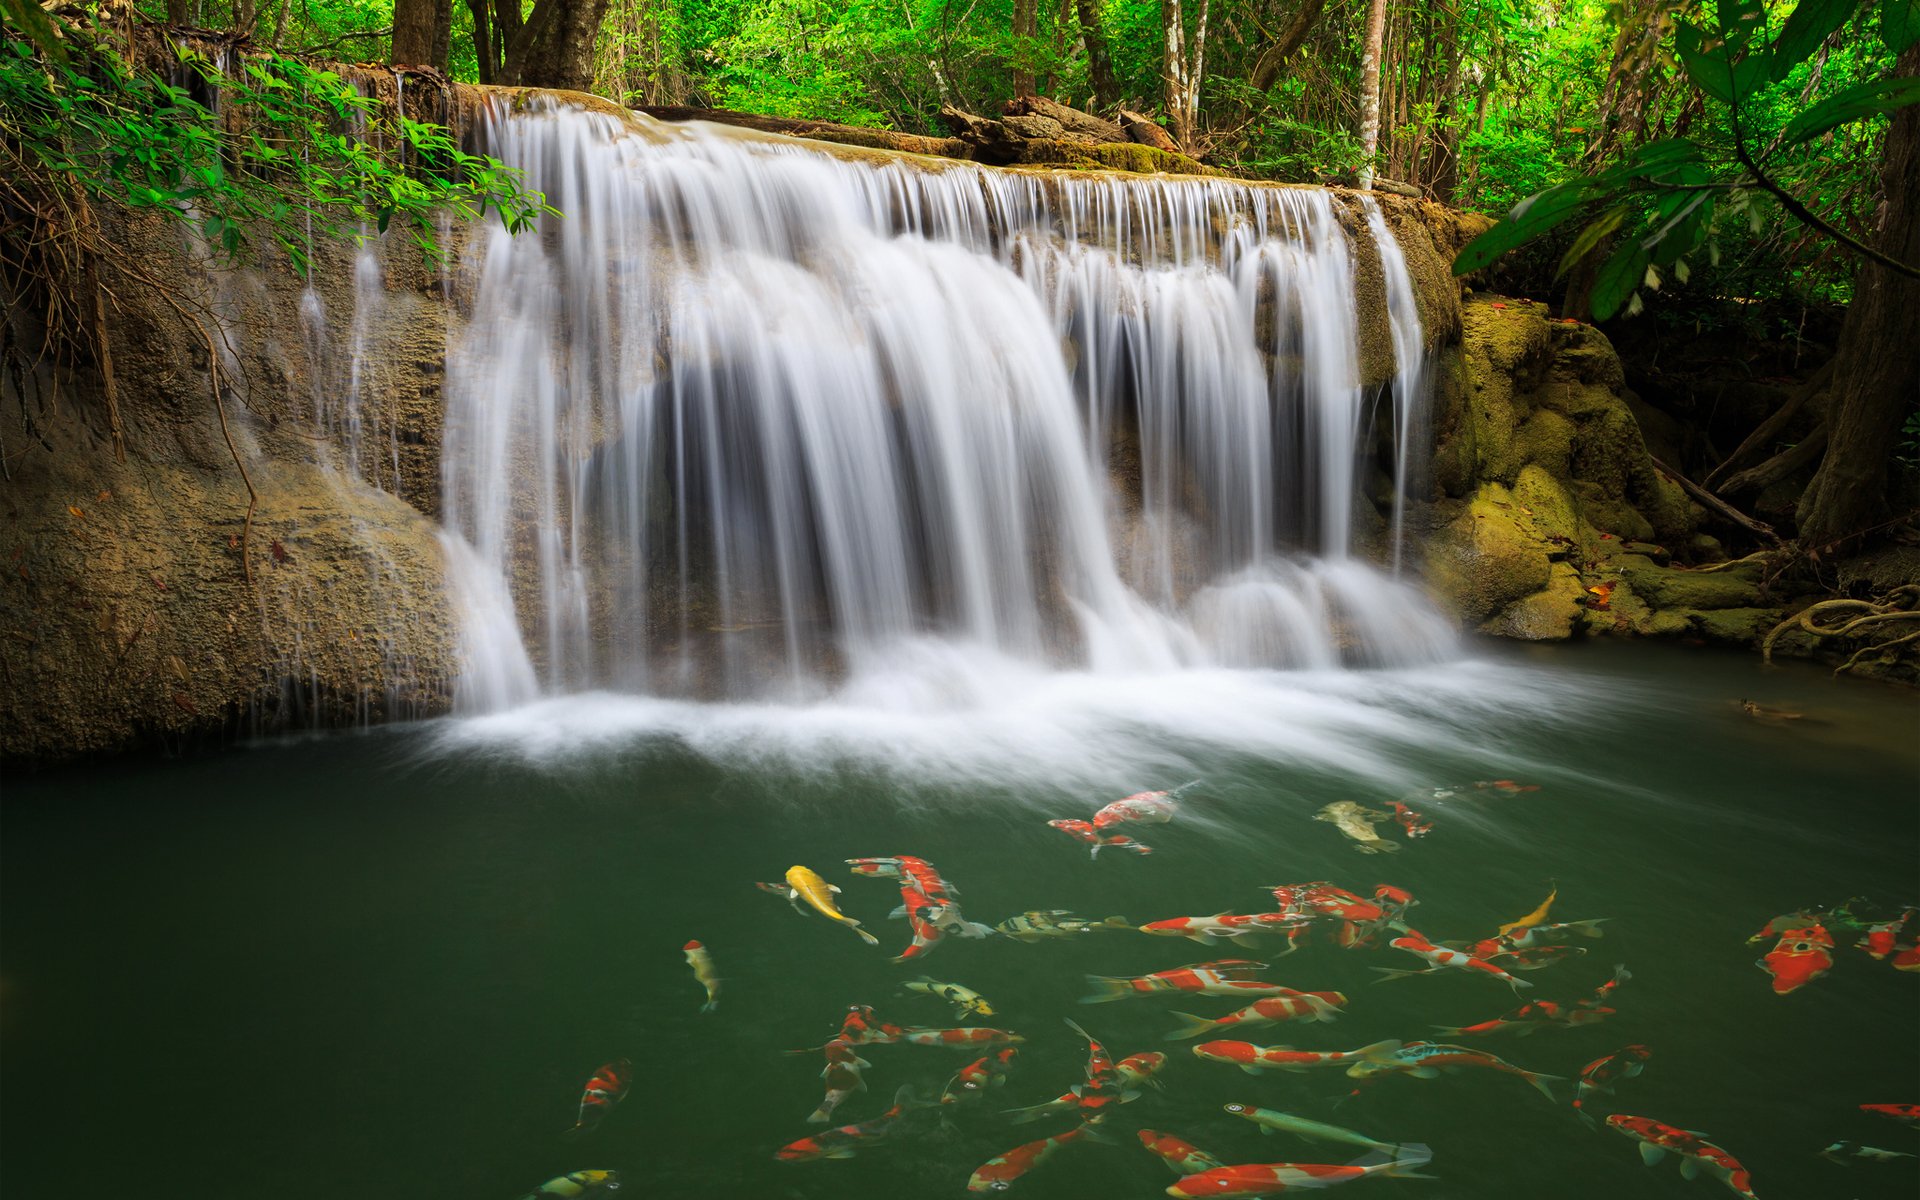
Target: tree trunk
<point x="1173" y="69"/>
<point x="1023" y="31"/>
<point x="179" y="12"/>
<point x="555" y="48"/>
<point x="1266" y="68"/>
<point x="1878" y="356"/>
<point x="483" y="43"/>
<point x="1370" y="91"/>
<point x="420" y="33"/>
<point x="1631" y="79"/>
<point x="1106" y="92"/>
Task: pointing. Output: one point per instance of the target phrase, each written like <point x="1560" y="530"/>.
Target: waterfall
<point x="756" y="417"/>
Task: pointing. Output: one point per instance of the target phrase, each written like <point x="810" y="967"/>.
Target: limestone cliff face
<point x="1551" y="518"/>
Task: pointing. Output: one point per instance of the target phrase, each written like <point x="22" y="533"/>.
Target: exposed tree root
<point x="1899" y="606"/>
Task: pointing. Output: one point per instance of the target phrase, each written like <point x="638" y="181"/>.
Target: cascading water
<point x="753" y="418"/>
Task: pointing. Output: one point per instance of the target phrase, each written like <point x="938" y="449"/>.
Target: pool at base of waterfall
<point x="387" y="964"/>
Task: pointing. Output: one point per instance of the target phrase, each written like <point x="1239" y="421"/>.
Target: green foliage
<point x="1669" y="200"/>
<point x="273" y="147"/>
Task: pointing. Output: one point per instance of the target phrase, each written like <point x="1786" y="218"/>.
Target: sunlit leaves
<point x="1812" y="22"/>
<point x="1865" y="100"/>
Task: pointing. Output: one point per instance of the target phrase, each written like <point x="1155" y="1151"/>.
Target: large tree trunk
<point x="1877" y="360"/>
<point x="1266" y="68"/>
<point x="420" y="31"/>
<point x="1370" y="91"/>
<point x="1024" y="18"/>
<point x="1182" y="75"/>
<point x="1106" y="92"/>
<point x="555" y="48"/>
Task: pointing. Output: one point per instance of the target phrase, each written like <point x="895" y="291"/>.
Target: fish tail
<point x="1544" y="1083"/>
<point x="1106" y="989"/>
<point x="1379" y="1051"/>
<point x="1408" y="1158"/>
<point x="1326" y="1010"/>
<point x="1387" y="973"/>
<point x="710" y="1006"/>
<point x="1116" y="923"/>
<point x="821" y="1115"/>
<point x="866" y="937"/>
<point x="1023" y="1115"/>
<point x="1194" y="1027"/>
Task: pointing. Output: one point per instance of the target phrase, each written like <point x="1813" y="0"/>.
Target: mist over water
<point x="991" y="461"/>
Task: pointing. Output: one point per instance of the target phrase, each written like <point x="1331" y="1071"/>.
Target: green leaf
<point x="1861" y="100"/>
<point x="1529" y="219"/>
<point x="1619" y="277"/>
<point x="1739" y="20"/>
<point x="30" y="19"/>
<point x="1812" y="22"/>
<point x="1590" y="237"/>
<point x="1899" y="24"/>
<point x="1711" y="70"/>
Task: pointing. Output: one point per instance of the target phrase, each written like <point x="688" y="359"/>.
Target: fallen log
<point x="819" y="131"/>
<point x="1716" y="505"/>
<point x="1145" y="130"/>
<point x="1099" y="128"/>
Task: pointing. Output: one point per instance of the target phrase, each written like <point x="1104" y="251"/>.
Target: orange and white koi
<point x="969" y="1036"/>
<point x="1506" y="787"/>
<point x="1602" y="1074"/>
<point x="847" y="1140"/>
<point x="1086" y="831"/>
<point x="1444" y="959"/>
<point x="842" y="1074"/>
<point x="1139" y="1070"/>
<point x="860" y="1028"/>
<point x="608" y="1087"/>
<point x="1657" y="1139"/>
<point x="973" y="1080"/>
<point x="1225" y="977"/>
<point x="1539" y="1013"/>
<point x="1322" y="899"/>
<point x="1906" y="1114"/>
<point x="1147" y="808"/>
<point x="1798" y="958"/>
<point x="1414" y="823"/>
<point x="1882" y="938"/>
<point x="1183" y="1156"/>
<point x="1291" y="1006"/>
<point x="1266" y="1179"/>
<point x="1428" y="1060"/>
<point x="1254" y="1059"/>
<point x="1533" y="958"/>
<point x="1241" y="929"/>
<point x="702" y="964"/>
<point x="998" y="1173"/>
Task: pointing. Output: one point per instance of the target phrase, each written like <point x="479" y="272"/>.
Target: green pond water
<point x="385" y="964"/>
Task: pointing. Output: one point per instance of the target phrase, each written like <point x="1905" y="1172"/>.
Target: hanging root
<point x="1896" y="608"/>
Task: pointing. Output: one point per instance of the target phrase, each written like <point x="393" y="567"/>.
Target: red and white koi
<point x="1086" y="831"/>
<point x="1602" y="1074"/>
<point x="1882" y="939"/>
<point x="1906" y="1114"/>
<point x="1798" y="958"/>
<point x="1266" y="1179"/>
<point x="1444" y="959"/>
<point x="842" y="1074"/>
<point x="1506" y="787"/>
<point x="1254" y="1059"/>
<point x="998" y="1173"/>
<point x="1429" y="1060"/>
<point x="1658" y="1139"/>
<point x="1269" y="1010"/>
<point x="1183" y="1156"/>
<point x="861" y="1028"/>
<point x="1534" y="958"/>
<point x="1414" y="823"/>
<point x="608" y="1087"/>
<point x="974" y="1080"/>
<point x="969" y="1036"/>
<point x="847" y="1140"/>
<point x="1241" y="929"/>
<point x="1139" y="1070"/>
<point x="1225" y="977"/>
<point x="1537" y="1014"/>
<point x="1146" y="808"/>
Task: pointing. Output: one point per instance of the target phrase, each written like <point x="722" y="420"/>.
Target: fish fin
<point x="1094" y="1131"/>
<point x="1379" y="1051"/>
<point x="898" y="914"/>
<point x="866" y="937"/>
<point x="1542" y="1082"/>
<point x="834" y="888"/>
<point x="1129" y="1095"/>
<point x="1023" y="1115"/>
<point x="1075" y="1026"/>
<point x="1194" y="1027"/>
<point x="1689" y="1168"/>
<point x="1116" y="923"/>
<point x="1266" y="1131"/>
<point x="820" y="1116"/>
<point x="710" y="1006"/>
<point x="1249" y="1070"/>
<point x="1106" y="989"/>
<point x="1387" y="973"/>
<point x="1650" y="1153"/>
<point x="1425" y="1072"/>
<point x="1449" y="1030"/>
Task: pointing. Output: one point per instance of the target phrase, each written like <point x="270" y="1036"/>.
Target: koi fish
<point x="1538" y="1013"/>
<point x="1036" y="926"/>
<point x="966" y="1002"/>
<point x="1506" y="787"/>
<point x="1784" y="922"/>
<point x="847" y="1140"/>
<point x="919" y="912"/>
<point x="1696" y="1153"/>
<point x="1086" y="831"/>
<point x="972" y="1035"/>
<point x="1254" y="1059"/>
<point x="1534" y="936"/>
<point x="1427" y="1060"/>
<point x="1322" y="899"/>
<point x="1226" y="977"/>
<point x="998" y="1173"/>
<point x="1534" y="958"/>
<point x="1907" y="958"/>
<point x="702" y="964"/>
<point x="1906" y="1113"/>
<point x="1840" y="1152"/>
<point x="1882" y="938"/>
<point x="1184" y="1157"/>
<point x="861" y="1028"/>
<point x="1537" y="917"/>
<point x="1602" y="1074"/>
<point x="1357" y="824"/>
<point x="1800" y="957"/>
<point x="907" y="868"/>
<point x="575" y="1184"/>
<point x="1264" y="1179"/>
<point x="608" y="1087"/>
<point x="1239" y="929"/>
<point x="1444" y="959"/>
<point x="842" y="1074"/>
<point x="1140" y="1070"/>
<point x="1415" y="823"/>
<point x="1155" y="808"/>
<point x="1272" y="1121"/>
<point x="805" y="884"/>
<point x="974" y="1079"/>
<point x="1103" y="1076"/>
<point x="1291" y="1006"/>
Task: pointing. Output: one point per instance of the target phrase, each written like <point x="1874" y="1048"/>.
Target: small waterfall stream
<point x="754" y="418"/>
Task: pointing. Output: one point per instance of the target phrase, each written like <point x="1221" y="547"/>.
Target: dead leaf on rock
<point x="185" y="703"/>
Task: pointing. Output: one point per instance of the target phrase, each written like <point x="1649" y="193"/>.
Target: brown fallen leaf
<point x="186" y="704"/>
<point x="278" y="551"/>
<point x="76" y="512"/>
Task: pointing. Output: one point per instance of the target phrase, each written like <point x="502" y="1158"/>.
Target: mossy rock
<point x="1607" y="512"/>
<point x="1547" y="502"/>
<point x="1546" y="441"/>
<point x="1734" y="626"/>
<point x="1583" y="354"/>
<point x="1667" y="587"/>
<point x="1488" y="557"/>
<point x="1550" y="614"/>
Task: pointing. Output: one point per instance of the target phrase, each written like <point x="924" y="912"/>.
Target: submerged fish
<point x="1254" y="1059"/>
<point x="575" y="1184"/>
<point x="1840" y="1152"/>
<point x="1273" y="1121"/>
<point x="1602" y="1074"/>
<point x="842" y="1074"/>
<point x="1428" y="1060"/>
<point x="1537" y="917"/>
<point x="608" y="1087"/>
<point x="1539" y="1013"/>
<point x="966" y="1002"/>
<point x="972" y="1035"/>
<point x="1183" y="1156"/>
<point x="1055" y="923"/>
<point x="1357" y="823"/>
<point x="1414" y="823"/>
<point x="1696" y="1153"/>
<point x="702" y="964"/>
<point x="1291" y="1006"/>
<point x="1226" y="977"/>
<point x="1444" y="959"/>
<point x="847" y="1140"/>
<point x="1088" y="832"/>
<point x="998" y="1173"/>
<point x="803" y="883"/>
<point x="1798" y="958"/>
<point x="1156" y="808"/>
<point x="1265" y="1179"/>
<point x="972" y="1081"/>
<point x="1908" y="1114"/>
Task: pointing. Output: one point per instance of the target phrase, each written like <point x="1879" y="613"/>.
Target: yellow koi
<point x="702" y="964"/>
<point x="803" y="883"/>
<point x="1531" y="919"/>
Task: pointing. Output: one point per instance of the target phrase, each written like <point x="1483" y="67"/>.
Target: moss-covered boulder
<point x="1487" y="557"/>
